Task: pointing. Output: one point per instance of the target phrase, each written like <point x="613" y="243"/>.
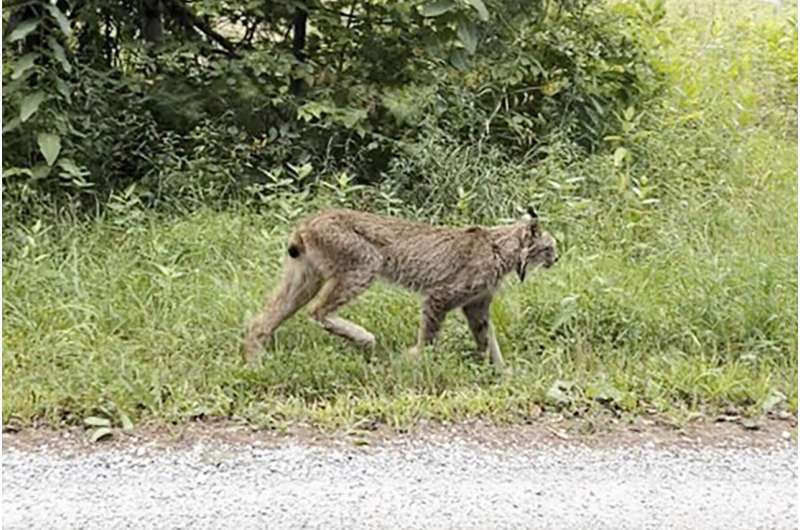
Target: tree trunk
<point x="298" y="46"/>
<point x="152" y="27"/>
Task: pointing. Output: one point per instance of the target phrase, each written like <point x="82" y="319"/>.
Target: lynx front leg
<point x="477" y="314"/>
<point x="494" y="350"/>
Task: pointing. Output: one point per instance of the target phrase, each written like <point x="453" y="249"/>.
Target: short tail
<point x="296" y="247"/>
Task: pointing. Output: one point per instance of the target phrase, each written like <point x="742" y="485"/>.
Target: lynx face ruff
<point x="335" y="255"/>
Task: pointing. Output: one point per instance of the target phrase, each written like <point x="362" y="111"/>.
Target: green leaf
<point x="61" y="18"/>
<point x="63" y="89"/>
<point x="68" y="165"/>
<point x="40" y="171"/>
<point x="438" y="7"/>
<point x="10" y="126"/>
<point x="14" y="171"/>
<point x="552" y="88"/>
<point x="302" y="171"/>
<point x="50" y="145"/>
<point x="22" y="64"/>
<point x="60" y="55"/>
<point x="628" y="113"/>
<point x="460" y="60"/>
<point x="125" y="420"/>
<point x="99" y="434"/>
<point x="560" y="393"/>
<point x="30" y="104"/>
<point x="619" y="155"/>
<point x="468" y="34"/>
<point x="22" y="31"/>
<point x="95" y="421"/>
<point x="480" y="7"/>
<point x="350" y="117"/>
<point x="311" y="110"/>
<point x="774" y="399"/>
<point x="603" y="392"/>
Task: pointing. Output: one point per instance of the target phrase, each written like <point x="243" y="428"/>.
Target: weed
<point x="676" y="290"/>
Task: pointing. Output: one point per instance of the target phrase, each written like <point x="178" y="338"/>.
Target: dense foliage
<point x="215" y="99"/>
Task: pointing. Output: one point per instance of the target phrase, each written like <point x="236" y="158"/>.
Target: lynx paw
<point x="250" y="357"/>
<point x="413" y="354"/>
<point x="366" y="340"/>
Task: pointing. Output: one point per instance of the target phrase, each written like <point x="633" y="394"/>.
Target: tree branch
<point x="351" y="16"/>
<point x="186" y="13"/>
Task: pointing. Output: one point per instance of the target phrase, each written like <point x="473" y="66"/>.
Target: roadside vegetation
<point x="657" y="140"/>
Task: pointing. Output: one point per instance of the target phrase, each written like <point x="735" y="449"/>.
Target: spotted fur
<point x="336" y="255"/>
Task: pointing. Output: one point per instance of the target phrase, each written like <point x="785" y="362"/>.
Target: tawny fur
<point x="335" y="255"/>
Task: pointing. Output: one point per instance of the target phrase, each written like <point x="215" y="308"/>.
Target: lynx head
<point x="538" y="247"/>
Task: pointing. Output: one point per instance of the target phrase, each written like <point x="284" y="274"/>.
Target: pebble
<point x="403" y="485"/>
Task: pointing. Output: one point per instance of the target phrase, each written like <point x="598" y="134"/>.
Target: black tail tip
<point x="294" y="252"/>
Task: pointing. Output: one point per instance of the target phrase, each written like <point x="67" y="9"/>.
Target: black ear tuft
<point x="532" y="213"/>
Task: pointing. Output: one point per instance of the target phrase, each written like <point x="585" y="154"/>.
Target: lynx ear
<point x="522" y="267"/>
<point x="532" y="213"/>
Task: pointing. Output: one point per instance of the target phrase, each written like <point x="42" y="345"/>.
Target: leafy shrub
<point x="550" y="70"/>
<point x="372" y="84"/>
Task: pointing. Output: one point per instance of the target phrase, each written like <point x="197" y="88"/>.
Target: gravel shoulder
<point x="466" y="476"/>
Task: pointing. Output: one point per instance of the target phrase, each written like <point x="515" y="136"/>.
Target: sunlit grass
<point x="677" y="293"/>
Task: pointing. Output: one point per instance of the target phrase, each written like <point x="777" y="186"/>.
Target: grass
<point x="676" y="291"/>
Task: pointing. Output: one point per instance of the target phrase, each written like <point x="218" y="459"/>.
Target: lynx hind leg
<point x="299" y="285"/>
<point x="336" y="292"/>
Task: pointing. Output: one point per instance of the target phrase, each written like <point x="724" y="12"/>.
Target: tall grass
<point x="676" y="290"/>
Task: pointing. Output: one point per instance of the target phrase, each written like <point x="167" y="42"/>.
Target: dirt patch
<point x="550" y="430"/>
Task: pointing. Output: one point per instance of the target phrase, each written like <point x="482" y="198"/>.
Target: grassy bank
<point x="676" y="291"/>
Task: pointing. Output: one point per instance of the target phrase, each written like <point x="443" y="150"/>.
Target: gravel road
<point x="416" y="484"/>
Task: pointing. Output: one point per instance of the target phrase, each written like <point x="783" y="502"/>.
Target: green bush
<point x="183" y="124"/>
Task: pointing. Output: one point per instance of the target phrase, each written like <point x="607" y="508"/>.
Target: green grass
<point x="676" y="290"/>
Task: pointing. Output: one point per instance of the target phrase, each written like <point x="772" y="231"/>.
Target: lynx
<point x="337" y="254"/>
